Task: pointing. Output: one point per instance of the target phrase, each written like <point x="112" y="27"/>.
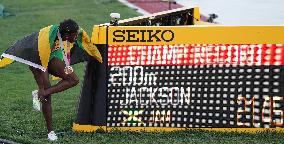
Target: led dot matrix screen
<point x="195" y="85"/>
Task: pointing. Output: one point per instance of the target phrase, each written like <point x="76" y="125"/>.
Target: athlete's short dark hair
<point x="68" y="26"/>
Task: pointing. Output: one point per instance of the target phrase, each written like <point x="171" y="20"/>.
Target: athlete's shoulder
<point x="50" y="28"/>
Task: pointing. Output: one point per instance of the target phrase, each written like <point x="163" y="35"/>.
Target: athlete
<point x="51" y="51"/>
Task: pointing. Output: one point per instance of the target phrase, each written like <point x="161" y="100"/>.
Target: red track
<point x="153" y="6"/>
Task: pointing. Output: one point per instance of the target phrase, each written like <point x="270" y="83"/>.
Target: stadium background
<point x="17" y="120"/>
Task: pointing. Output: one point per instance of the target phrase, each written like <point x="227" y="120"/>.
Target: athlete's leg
<point x="56" y="68"/>
<point x="43" y="82"/>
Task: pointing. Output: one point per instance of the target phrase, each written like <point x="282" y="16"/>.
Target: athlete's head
<point x="69" y="30"/>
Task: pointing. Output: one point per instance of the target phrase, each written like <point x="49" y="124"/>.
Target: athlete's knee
<point x="75" y="81"/>
<point x="72" y="80"/>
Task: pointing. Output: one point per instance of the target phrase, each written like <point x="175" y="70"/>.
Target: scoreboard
<point x="185" y="77"/>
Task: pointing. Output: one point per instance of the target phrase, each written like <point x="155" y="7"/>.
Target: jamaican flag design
<point x="35" y="49"/>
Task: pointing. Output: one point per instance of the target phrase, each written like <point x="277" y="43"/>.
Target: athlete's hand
<point x="41" y="95"/>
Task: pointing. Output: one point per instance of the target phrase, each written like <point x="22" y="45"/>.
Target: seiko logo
<point x="143" y="35"/>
